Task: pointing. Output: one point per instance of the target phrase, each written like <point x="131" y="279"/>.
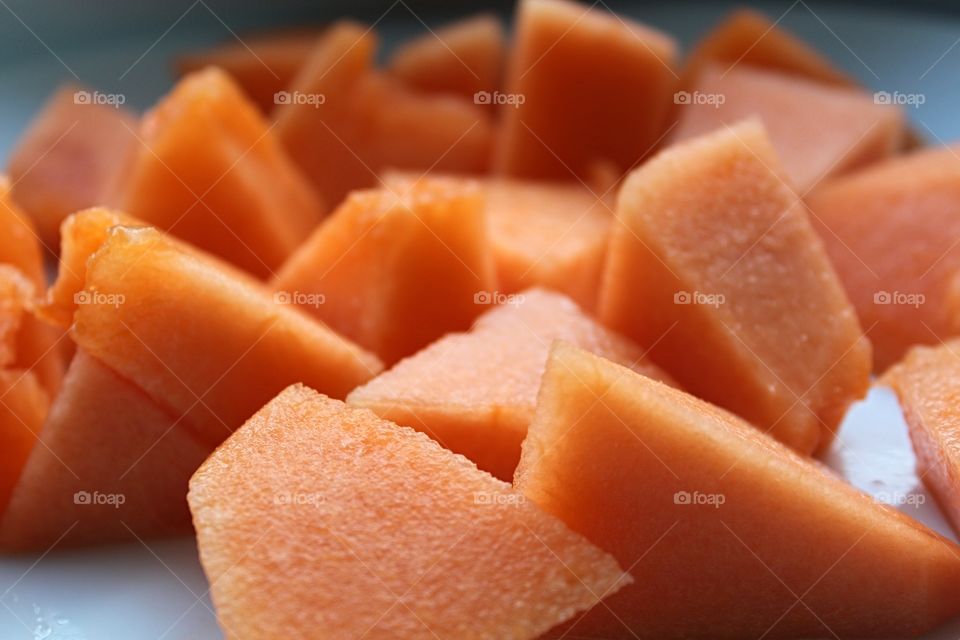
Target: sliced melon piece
<point x="23" y="407"/>
<point x="714" y="267"/>
<point x="818" y="131"/>
<point x="927" y="383"/>
<point x="463" y="58"/>
<point x="727" y="533"/>
<point x="318" y="520"/>
<point x="19" y="243"/>
<point x="110" y="465"/>
<point x="263" y="64"/>
<point x="207" y="346"/>
<point x="395" y="271"/>
<point x="475" y="392"/>
<point x="70" y="158"/>
<point x="211" y="171"/>
<point x="891" y="231"/>
<point x="584" y="85"/>
<point x="26" y="342"/>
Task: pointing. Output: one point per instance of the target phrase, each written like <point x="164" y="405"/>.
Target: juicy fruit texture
<point x="367" y="121"/>
<point x="208" y="347"/>
<point x="363" y="271"/>
<point x="542" y="234"/>
<point x="110" y="465"/>
<point x="475" y="392"/>
<point x="19" y="242"/>
<point x="26" y="342"/>
<point x="573" y="109"/>
<point x="374" y="530"/>
<point x="211" y="172"/>
<point x="263" y="64"/>
<point x="927" y="383"/>
<point x="715" y="268"/>
<point x="463" y="58"/>
<point x="23" y="407"/>
<point x="687" y="489"/>
<point x="891" y="231"/>
<point x="817" y="130"/>
<point x="749" y="38"/>
<point x="70" y="158"/>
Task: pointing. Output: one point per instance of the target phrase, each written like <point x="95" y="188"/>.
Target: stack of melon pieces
<point x="484" y="404"/>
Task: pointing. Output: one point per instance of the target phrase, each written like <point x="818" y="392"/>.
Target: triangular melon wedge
<point x="210" y="170"/>
<point x="581" y="85"/>
<point x="475" y="392"/>
<point x="461" y="58"/>
<point x="715" y="268"/>
<point x="70" y="158"/>
<point x="316" y="520"/>
<point x="394" y="271"/>
<point x="727" y="533"/>
<point x="818" y="130"/>
<point x="110" y="465"/>
<point x="927" y="383"/>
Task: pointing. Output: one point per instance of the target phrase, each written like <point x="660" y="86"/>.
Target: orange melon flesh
<point x="19" y="242"/>
<point x="714" y="519"/>
<point x="70" y="158"/>
<point x="374" y="530"/>
<point x="576" y="109"/>
<point x="714" y="267"/>
<point x="927" y="383"/>
<point x="542" y="234"/>
<point x="25" y="341"/>
<point x="234" y="348"/>
<point x="363" y="271"/>
<point x="262" y="64"/>
<point x="210" y="171"/>
<point x="818" y="131"/>
<point x="460" y="58"/>
<point x="103" y="438"/>
<point x="475" y="392"/>
<point x="23" y="407"/>
<point x="891" y="233"/>
<point x="361" y="121"/>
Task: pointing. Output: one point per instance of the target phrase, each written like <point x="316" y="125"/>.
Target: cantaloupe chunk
<point x="395" y="271"/>
<point x="542" y="234"/>
<point x="210" y="171"/>
<point x="19" y="242"/>
<point x="714" y="267"/>
<point x="818" y="131"/>
<point x="208" y="347"/>
<point x="23" y="407"/>
<point x="727" y="533"/>
<point x="317" y="520"/>
<point x="263" y="64"/>
<point x="26" y="342"/>
<point x="463" y="58"/>
<point x="344" y="122"/>
<point x="475" y="392"/>
<point x="927" y="383"/>
<point x="585" y="85"/>
<point x="891" y="232"/>
<point x="110" y="465"/>
<point x="70" y="158"/>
